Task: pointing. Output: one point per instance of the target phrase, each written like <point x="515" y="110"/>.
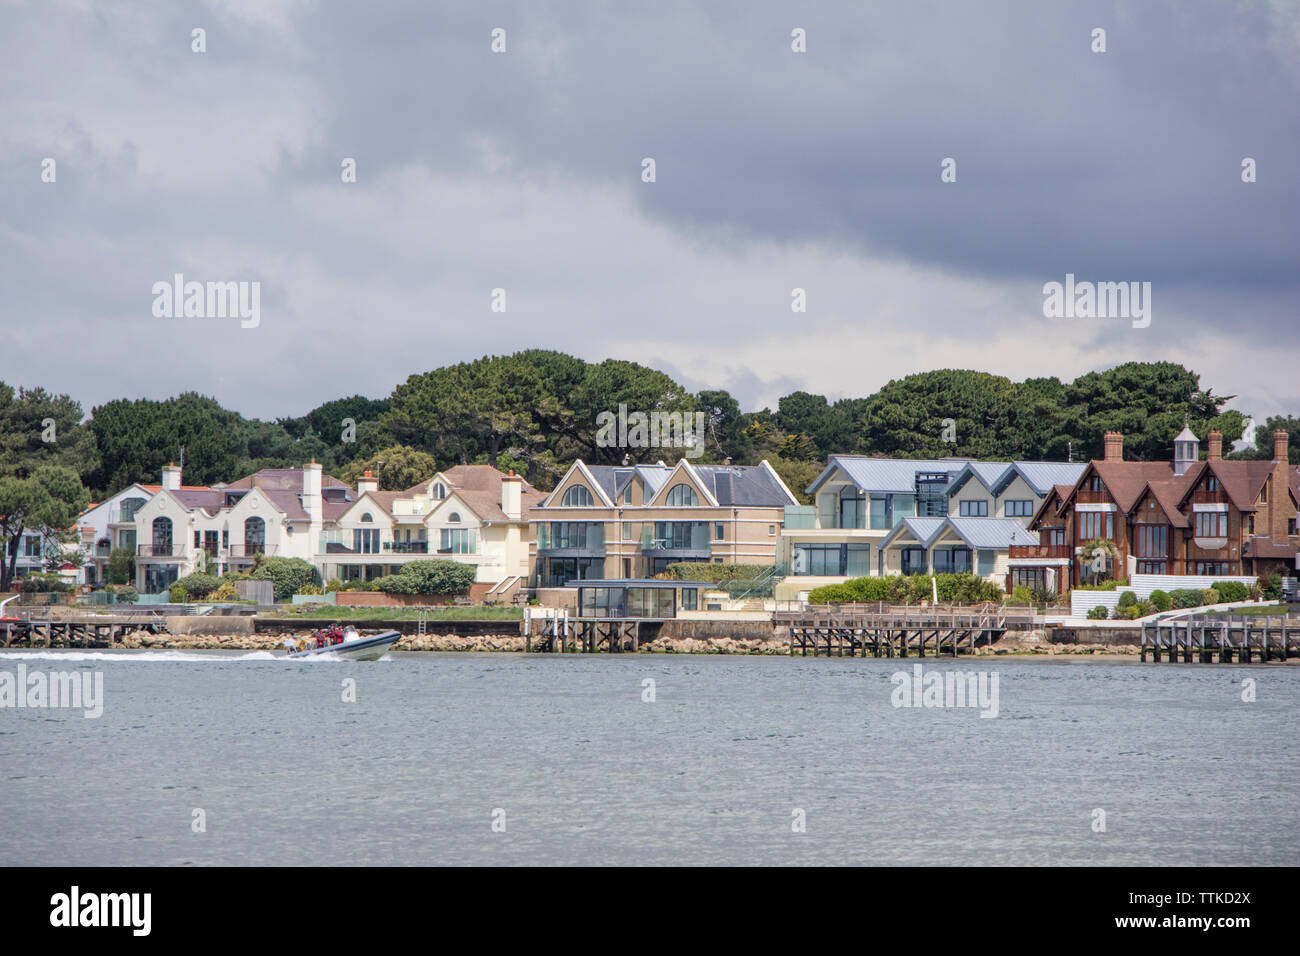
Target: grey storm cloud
<point x="522" y="170"/>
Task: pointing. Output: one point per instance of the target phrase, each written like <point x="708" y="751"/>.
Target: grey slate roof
<point x="982" y="533"/>
<point x="898" y="475"/>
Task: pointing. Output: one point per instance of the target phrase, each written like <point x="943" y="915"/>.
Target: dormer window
<point x="579" y="496"/>
<point x="439" y="491"/>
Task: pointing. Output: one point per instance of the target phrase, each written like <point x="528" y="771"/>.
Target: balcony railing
<point x="407" y="547"/>
<point x="1040" y="551"/>
<point x="160" y="551"/>
<point x="249" y="550"/>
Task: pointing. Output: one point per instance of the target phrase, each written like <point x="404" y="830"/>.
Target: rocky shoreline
<point x="1033" y="643"/>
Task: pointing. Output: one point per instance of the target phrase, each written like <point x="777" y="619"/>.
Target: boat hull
<point x="364" y="649"/>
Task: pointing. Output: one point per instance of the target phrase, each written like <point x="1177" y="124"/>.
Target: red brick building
<point x="1192" y="516"/>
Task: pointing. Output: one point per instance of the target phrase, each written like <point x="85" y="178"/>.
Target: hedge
<point x="714" y="573"/>
<point x="910" y="589"/>
<point x="435" y="576"/>
<point x="287" y="574"/>
<point x="1231" y="590"/>
<point x="198" y="585"/>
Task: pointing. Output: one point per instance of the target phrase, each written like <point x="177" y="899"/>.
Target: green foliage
<point x="1263" y="449"/>
<point x="1161" y="601"/>
<point x="1098" y="613"/>
<point x="49" y="498"/>
<point x="1210" y="596"/>
<point x="396" y="468"/>
<point x="1270" y="586"/>
<point x="178" y="594"/>
<point x="713" y="573"/>
<point x="197" y="585"/>
<point x="121" y="566"/>
<point x="310" y="589"/>
<point x="910" y="589"/>
<point x="1127" y="599"/>
<point x="436" y="576"/>
<point x="1144" y="608"/>
<point x="123" y="593"/>
<point x="1187" y="597"/>
<point x="288" y="574"/>
<point x="38" y="583"/>
<point x="1231" y="590"/>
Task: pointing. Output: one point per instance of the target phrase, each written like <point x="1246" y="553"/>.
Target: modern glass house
<point x="645" y="599"/>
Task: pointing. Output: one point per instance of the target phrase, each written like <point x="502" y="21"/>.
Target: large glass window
<point x="951" y="560"/>
<point x="975" y="508"/>
<point x="578" y="496"/>
<point x="853" y="508"/>
<point x="458" y="541"/>
<point x="880" y="512"/>
<point x="1152" y="540"/>
<point x="1211" y="524"/>
<point x="914" y="561"/>
<point x="682" y="496"/>
<point x="932" y="494"/>
<point x="681" y="535"/>
<point x="254" y="535"/>
<point x="162" y="536"/>
<point x="1019" y="508"/>
<point x="1096" y="524"/>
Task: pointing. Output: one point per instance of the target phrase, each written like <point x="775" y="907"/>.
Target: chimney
<point x="1279" y="492"/>
<point x="311" y="497"/>
<point x="1114" y="446"/>
<point x="512" y="495"/>
<point x="1214" y="450"/>
<point x="171" y="476"/>
<point x="368" y="482"/>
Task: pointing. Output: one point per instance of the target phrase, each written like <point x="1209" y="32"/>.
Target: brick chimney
<point x="512" y="495"/>
<point x="1280" y="446"/>
<point x="1214" y="446"/>
<point x="367" y="482"/>
<point x="1114" y="445"/>
<point x="1279" y="492"/>
<point x="171" y="476"/>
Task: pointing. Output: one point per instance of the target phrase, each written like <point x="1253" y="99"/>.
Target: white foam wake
<point x="137" y="656"/>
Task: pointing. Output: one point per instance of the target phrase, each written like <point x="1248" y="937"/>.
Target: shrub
<point x="1145" y="608"/>
<point x="714" y="573"/>
<point x="436" y="576"/>
<point x="1270" y="583"/>
<point x="1020" y="596"/>
<point x="1161" y="601"/>
<point x="1127" y="599"/>
<point x="310" y="589"/>
<point x="225" y="592"/>
<point x="178" y="594"/>
<point x="912" y="589"/>
<point x="198" y="585"/>
<point x="39" y="583"/>
<point x="1186" y="597"/>
<point x="121" y="566"/>
<point x="287" y="574"/>
<point x="123" y="593"/>
<point x="1210" y="596"/>
<point x="1098" y="613"/>
<point x="333" y="585"/>
<point x="1231" y="590"/>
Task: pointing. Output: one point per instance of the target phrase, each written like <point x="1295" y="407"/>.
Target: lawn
<point x="331" y="612"/>
<point x="1273" y="610"/>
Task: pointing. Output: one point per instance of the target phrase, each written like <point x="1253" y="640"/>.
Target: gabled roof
<point x="980" y="533"/>
<point x="988" y="473"/>
<point x="897" y="475"/>
<point x="281" y="479"/>
<point x="1240" y="480"/>
<point x="1042" y="476"/>
<point x="1166" y="494"/>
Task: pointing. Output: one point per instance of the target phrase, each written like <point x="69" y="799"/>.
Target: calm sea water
<point x="587" y="772"/>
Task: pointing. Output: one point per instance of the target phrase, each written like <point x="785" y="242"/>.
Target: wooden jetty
<point x="881" y="631"/>
<point x="1221" y="639"/>
<point x="90" y="630"/>
<point x="565" y="634"/>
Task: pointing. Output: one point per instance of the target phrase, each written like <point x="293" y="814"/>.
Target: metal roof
<point x="981" y="533"/>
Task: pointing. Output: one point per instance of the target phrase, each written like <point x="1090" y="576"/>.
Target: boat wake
<point x="174" y="657"/>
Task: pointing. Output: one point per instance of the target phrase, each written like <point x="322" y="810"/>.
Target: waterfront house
<point x="632" y="521"/>
<point x="107" y="525"/>
<point x="862" y="520"/>
<point x="1190" y="516"/>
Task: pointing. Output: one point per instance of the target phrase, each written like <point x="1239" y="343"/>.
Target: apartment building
<point x="632" y="521"/>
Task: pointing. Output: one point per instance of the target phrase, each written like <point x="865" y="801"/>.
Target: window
<point x="1096" y="524"/>
<point x="1054" y="536"/>
<point x="1152" y="540"/>
<point x="458" y="541"/>
<point x="682" y="496"/>
<point x="951" y="560"/>
<point x="1263" y="494"/>
<point x="578" y="496"/>
<point x="719" y="531"/>
<point x="1290" y="526"/>
<point x="627" y="495"/>
<point x="439" y="491"/>
<point x="690" y="599"/>
<point x="254" y="535"/>
<point x="771" y="529"/>
<point x="817" y="560"/>
<point x="1212" y="483"/>
<point x="1094" y="483"/>
<point x="627" y="531"/>
<point x="880" y="512"/>
<point x="914" y="560"/>
<point x="196" y="539"/>
<point x="1152" y="567"/>
<point x="681" y="535"/>
<point x="932" y="494"/>
<point x="853" y="508"/>
<point x="365" y="540"/>
<point x="1020" y="508"/>
<point x="1213" y="567"/>
<point x="974" y="509"/>
<point x="367" y="517"/>
<point x="454" y="517"/>
<point x="1211" y="524"/>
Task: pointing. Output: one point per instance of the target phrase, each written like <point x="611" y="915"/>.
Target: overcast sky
<point x="522" y="170"/>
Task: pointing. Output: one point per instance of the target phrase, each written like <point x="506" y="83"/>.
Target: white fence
<point x="1081" y="602"/>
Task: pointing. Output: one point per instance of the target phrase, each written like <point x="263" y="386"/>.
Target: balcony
<point x="1040" y="551"/>
<point x="408" y="547"/>
<point x="160" y="551"/>
<point x="248" y="550"/>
